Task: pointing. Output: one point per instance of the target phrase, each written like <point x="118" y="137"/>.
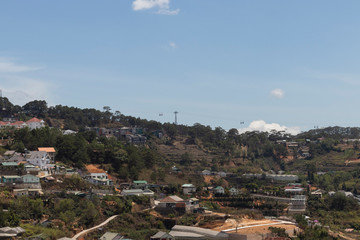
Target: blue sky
<point x="269" y="64"/>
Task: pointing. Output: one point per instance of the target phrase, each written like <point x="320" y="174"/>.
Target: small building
<point x="222" y="174"/>
<point x="111" y="236"/>
<point x="317" y="193"/>
<point x="233" y="191"/>
<point x="162" y="236"/>
<point x="219" y="190"/>
<point x="170" y="201"/>
<point x="20" y="192"/>
<point x="188" y="188"/>
<point x="9" y="179"/>
<point x="9" y="164"/>
<point x="27" y="192"/>
<point x="139" y="184"/>
<point x="31" y="179"/>
<point x="206" y="172"/>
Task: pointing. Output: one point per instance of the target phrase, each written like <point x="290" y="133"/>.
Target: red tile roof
<point x="34" y="120"/>
<point x="17" y="123"/>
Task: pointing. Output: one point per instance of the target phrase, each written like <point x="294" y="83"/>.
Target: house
<point x="95" y="172"/>
<point x="17" y="157"/>
<point x="27" y="192"/>
<point x="136" y="138"/>
<point x="222" y="174"/>
<point x="30" y="179"/>
<point x="35" y="123"/>
<point x="188" y="189"/>
<point x="170" y="202"/>
<point x="4" y="124"/>
<point x="20" y="192"/>
<point x="111" y="236"/>
<point x="40" y="159"/>
<point x="234" y="191"/>
<point x="162" y="236"/>
<point x="192" y="204"/>
<point x="18" y="124"/>
<point x="174" y="203"/>
<point x="9" y="153"/>
<point x="69" y="132"/>
<point x="139" y="184"/>
<point x="219" y="190"/>
<point x="206" y="172"/>
<point x="174" y="169"/>
<point x="317" y="193"/>
<point x="50" y="150"/>
<point x="9" y="179"/>
<point x="97" y="175"/>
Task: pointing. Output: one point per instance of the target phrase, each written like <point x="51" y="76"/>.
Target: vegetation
<point x="324" y="158"/>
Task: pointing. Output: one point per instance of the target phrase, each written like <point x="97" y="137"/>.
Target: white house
<point x="97" y="175"/>
<point x="40" y="159"/>
<point x="188" y="189"/>
<point x="35" y="123"/>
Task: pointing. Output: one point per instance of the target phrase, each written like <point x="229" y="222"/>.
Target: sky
<point x="250" y="65"/>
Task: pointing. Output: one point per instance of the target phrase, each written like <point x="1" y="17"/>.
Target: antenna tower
<point x="0" y="93"/>
<point x="176" y="112"/>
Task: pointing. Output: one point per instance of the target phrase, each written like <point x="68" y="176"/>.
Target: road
<point x="259" y="225"/>
<point x="93" y="228"/>
<point x="281" y="199"/>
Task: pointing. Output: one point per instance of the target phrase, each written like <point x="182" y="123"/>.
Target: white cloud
<point x="262" y="126"/>
<point x="278" y="93"/>
<point x="172" y="44"/>
<point x="162" y="5"/>
<point x="21" y="90"/>
<point x="7" y="66"/>
<point x="165" y="11"/>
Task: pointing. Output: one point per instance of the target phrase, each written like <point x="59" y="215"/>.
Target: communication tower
<point x="176" y="112"/>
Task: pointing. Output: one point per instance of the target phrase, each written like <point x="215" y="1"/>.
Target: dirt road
<point x="93" y="228"/>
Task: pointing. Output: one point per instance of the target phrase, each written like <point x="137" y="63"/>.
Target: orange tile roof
<point x="93" y="169"/>
<point x="47" y="149"/>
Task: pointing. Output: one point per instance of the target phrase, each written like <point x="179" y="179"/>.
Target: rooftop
<point x="47" y="149"/>
<point x="33" y="120"/>
<point x="172" y="199"/>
